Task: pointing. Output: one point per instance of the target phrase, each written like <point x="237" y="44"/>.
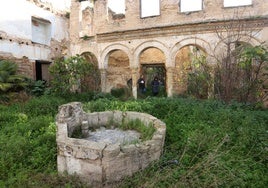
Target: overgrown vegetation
<point x="67" y="74"/>
<point x="241" y="68"/>
<point x="208" y="143"/>
<point x="199" y="79"/>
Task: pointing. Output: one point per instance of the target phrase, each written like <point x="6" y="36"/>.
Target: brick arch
<point x="103" y="63"/>
<point x="204" y="45"/>
<point x="149" y="44"/>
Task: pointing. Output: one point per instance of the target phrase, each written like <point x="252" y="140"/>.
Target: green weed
<point x="208" y="143"/>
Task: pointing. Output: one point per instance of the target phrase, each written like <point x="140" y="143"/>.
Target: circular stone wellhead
<point x="104" y="161"/>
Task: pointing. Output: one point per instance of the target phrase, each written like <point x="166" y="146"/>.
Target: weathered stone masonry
<point x="99" y="163"/>
<point x="169" y="33"/>
<point x="32" y="32"/>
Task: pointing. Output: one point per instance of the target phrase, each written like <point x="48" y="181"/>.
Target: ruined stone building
<point x="32" y="34"/>
<point x="156" y="40"/>
<point x="145" y="37"/>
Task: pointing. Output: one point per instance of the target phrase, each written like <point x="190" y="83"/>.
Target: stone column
<point x="74" y="21"/>
<point x="103" y="73"/>
<point x="169" y="81"/>
<point x="134" y="76"/>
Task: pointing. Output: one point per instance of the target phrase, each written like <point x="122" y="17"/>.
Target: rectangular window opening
<point x="41" y="31"/>
<point x="191" y="5"/>
<point x="236" y="3"/>
<point x="149" y="8"/>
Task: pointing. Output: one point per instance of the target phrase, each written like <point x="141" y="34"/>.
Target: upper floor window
<point x="150" y="8"/>
<point x="41" y="31"/>
<point x="235" y="3"/>
<point x="118" y="6"/>
<point x="190" y="5"/>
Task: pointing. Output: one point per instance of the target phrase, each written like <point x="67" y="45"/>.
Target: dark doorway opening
<point x="41" y="70"/>
<point x="150" y="71"/>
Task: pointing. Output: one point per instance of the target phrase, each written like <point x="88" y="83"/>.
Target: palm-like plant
<point x="9" y="80"/>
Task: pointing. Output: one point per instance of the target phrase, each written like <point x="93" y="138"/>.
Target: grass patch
<point x="146" y="131"/>
<point x="208" y="143"/>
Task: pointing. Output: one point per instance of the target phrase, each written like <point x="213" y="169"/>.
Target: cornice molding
<point x="183" y="29"/>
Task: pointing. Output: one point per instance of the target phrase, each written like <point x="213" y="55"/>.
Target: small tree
<point x="67" y="74"/>
<point x="240" y="67"/>
<point x="253" y="62"/>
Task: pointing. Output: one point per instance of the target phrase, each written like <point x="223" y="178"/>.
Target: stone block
<point x="93" y="120"/>
<point x="117" y="117"/>
<point x="105" y="118"/>
<point x="61" y="161"/>
<point x="111" y="151"/>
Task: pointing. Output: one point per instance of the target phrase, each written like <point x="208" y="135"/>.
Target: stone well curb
<point x="99" y="163"/>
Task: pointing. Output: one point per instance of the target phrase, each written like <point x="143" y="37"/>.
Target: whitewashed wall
<point x="15" y="21"/>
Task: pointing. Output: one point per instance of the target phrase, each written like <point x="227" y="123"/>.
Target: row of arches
<point x="119" y="63"/>
<point x="169" y="50"/>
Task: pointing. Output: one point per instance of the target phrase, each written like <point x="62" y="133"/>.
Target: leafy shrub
<point x="101" y="95"/>
<point x="66" y="74"/>
<point x="117" y="92"/>
<point x="81" y="97"/>
<point x="44" y="105"/>
<point x="10" y="81"/>
<point x="37" y="88"/>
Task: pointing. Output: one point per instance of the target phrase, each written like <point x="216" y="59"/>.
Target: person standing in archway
<point x="141" y="84"/>
<point x="155" y="86"/>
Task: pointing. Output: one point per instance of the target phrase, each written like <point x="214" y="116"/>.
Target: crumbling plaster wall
<point x="212" y="10"/>
<point x="16" y="35"/>
<point x="168" y="32"/>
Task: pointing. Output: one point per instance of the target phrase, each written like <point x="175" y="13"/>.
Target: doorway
<point x="150" y="71"/>
<point x="41" y="70"/>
